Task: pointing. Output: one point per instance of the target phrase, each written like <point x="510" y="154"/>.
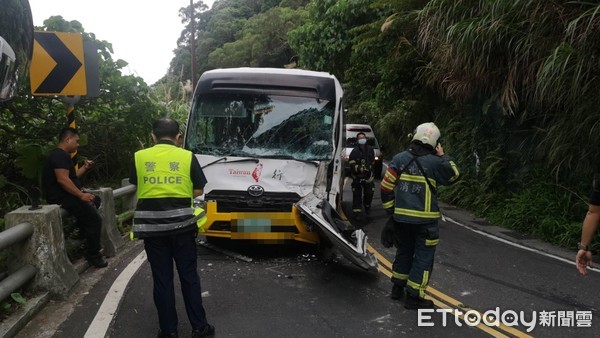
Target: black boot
<point x="97" y="261"/>
<point x="167" y="335"/>
<point x="207" y="331"/>
<point x="413" y="303"/>
<point x="397" y="292"/>
<point x="357" y="215"/>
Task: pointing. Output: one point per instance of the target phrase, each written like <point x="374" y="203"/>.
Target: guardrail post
<point x="45" y="249"/>
<point x="129" y="201"/>
<point x="110" y="236"/>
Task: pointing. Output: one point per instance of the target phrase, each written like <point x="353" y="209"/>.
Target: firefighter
<point x="167" y="179"/>
<point x="361" y="167"/>
<point x="409" y="192"/>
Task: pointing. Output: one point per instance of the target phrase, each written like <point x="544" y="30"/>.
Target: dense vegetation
<point x="112" y="125"/>
<point x="511" y="83"/>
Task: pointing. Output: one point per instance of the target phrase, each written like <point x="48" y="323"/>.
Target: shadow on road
<point x="264" y="251"/>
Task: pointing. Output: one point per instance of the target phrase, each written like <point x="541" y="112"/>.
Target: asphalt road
<point x="274" y="292"/>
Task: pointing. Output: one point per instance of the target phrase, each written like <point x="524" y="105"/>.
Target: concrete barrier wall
<point x="45" y="249"/>
<point x="110" y="237"/>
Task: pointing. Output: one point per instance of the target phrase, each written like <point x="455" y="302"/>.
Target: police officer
<point x="409" y="192"/>
<point x="361" y="167"/>
<point x="167" y="179"/>
<point x="590" y="226"/>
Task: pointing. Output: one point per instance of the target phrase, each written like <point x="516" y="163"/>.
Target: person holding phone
<point x="62" y="185"/>
<point x="409" y="194"/>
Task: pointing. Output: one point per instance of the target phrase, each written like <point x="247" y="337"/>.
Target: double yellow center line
<point x="444" y="301"/>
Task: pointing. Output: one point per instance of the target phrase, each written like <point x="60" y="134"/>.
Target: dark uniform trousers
<point x="161" y="252"/>
<point x="88" y="221"/>
<point x="413" y="265"/>
<point x="362" y="194"/>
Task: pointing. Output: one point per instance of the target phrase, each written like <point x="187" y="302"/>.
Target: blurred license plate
<point x="252" y="225"/>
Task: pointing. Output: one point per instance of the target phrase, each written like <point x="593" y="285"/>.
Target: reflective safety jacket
<point x="163" y="172"/>
<point x="405" y="191"/>
<point x="362" y="159"/>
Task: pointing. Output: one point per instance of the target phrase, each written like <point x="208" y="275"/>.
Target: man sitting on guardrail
<point x="62" y="186"/>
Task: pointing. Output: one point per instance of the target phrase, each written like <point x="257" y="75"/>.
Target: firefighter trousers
<point x="362" y="194"/>
<point x="415" y="250"/>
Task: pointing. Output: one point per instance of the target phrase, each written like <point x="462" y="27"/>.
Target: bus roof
<point x="275" y="81"/>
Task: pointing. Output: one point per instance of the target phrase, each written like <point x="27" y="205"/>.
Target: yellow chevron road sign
<point x="58" y="64"/>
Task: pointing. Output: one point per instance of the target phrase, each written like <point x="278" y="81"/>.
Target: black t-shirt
<point x="595" y="197"/>
<point x="157" y="204"/>
<point x="57" y="159"/>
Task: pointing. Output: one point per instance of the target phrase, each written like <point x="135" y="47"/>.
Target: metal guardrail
<point x="49" y="270"/>
<point x="122" y="192"/>
<point x="15" y="234"/>
<point x="19" y="278"/>
<point x="16" y="280"/>
<point x="126" y="190"/>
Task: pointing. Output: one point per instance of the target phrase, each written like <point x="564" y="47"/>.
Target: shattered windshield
<point x="261" y="126"/>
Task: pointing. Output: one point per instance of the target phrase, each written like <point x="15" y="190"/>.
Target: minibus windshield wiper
<point x="224" y="160"/>
<point x="288" y="157"/>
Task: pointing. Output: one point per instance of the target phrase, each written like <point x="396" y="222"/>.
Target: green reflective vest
<point x="163" y="171"/>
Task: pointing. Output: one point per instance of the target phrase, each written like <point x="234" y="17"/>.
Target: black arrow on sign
<point x="66" y="64"/>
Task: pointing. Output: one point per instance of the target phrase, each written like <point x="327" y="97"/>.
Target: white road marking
<point x="572" y="262"/>
<point x="382" y="319"/>
<point x="99" y="326"/>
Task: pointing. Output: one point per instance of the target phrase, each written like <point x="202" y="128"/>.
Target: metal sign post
<point x="70" y="103"/>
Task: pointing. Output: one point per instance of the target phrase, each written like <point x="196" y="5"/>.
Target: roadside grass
<point x="537" y="207"/>
<point x="13" y="303"/>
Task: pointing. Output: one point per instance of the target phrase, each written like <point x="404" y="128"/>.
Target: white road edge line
<point x="518" y="245"/>
<point x="99" y="326"/>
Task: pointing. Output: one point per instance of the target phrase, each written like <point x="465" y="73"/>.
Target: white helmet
<point x="428" y="133"/>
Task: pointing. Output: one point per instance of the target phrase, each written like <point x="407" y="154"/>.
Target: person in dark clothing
<point x="409" y="193"/>
<point x="167" y="179"/>
<point x="589" y="228"/>
<point x="361" y="168"/>
<point x="61" y="184"/>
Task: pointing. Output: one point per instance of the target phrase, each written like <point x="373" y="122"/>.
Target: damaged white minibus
<point x="270" y="141"/>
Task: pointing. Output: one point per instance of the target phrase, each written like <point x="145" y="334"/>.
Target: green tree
<point x="113" y="125"/>
<point x="215" y="27"/>
<point x="522" y="78"/>
<point x="263" y="41"/>
<point x="381" y="86"/>
<point x="181" y="64"/>
<point x="528" y="60"/>
<point x="323" y="42"/>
